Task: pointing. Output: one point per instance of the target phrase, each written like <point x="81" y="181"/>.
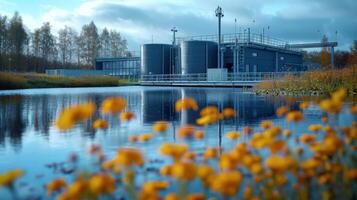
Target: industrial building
<point x="212" y="58"/>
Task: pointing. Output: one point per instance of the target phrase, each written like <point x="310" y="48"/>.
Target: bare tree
<point x="118" y="45"/>
<point x="66" y="44"/>
<point x="105" y="46"/>
<point x="89" y="41"/>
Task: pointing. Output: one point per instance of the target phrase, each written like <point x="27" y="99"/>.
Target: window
<point x="254" y="54"/>
<point x="247" y="67"/>
<point x="281" y="58"/>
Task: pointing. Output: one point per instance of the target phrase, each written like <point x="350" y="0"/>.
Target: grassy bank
<point x="312" y="83"/>
<point x="33" y="80"/>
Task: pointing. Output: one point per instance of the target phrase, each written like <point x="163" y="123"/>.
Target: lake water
<point x="30" y="141"/>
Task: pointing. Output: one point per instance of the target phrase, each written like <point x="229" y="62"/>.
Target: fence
<point x="231" y="77"/>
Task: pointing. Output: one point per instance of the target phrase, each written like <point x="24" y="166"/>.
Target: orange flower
<point x="74" y="114"/>
<point x="100" y="123"/>
<point x="339" y="95"/>
<point x="233" y="135"/>
<point x="280" y="164"/>
<point x="247" y="130"/>
<point x="210" y="153"/>
<point x="56" y="185"/>
<point x="102" y="184"/>
<point x="129" y="156"/>
<point x="166" y="170"/>
<point x="198" y="196"/>
<point x="145" y="137"/>
<point x="133" y="138"/>
<point x="160" y="126"/>
<point x="304" y="105"/>
<point x="184" y="170"/>
<point x="307" y="138"/>
<point x="171" y="196"/>
<point x="199" y="134"/>
<point x="113" y="105"/>
<point x="287" y="132"/>
<point x="328" y="105"/>
<point x="176" y="151"/>
<point x="209" y="110"/>
<point x="315" y="127"/>
<point x="266" y="124"/>
<point x="186" y="131"/>
<point x="208" y="119"/>
<point x="281" y="111"/>
<point x="229" y="113"/>
<point x="353" y="109"/>
<point x="227" y="183"/>
<point x="7" y="178"/>
<point x="94" y="148"/>
<point x="126" y="116"/>
<point x="185" y="104"/>
<point x="294" y="116"/>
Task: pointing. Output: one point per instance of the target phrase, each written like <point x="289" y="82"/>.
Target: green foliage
<point x="34" y="80"/>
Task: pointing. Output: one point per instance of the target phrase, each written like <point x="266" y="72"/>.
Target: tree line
<point x="23" y="50"/>
<point x="342" y="57"/>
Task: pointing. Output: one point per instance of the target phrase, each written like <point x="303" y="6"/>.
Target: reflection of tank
<point x="159" y="105"/>
<point x="155" y="59"/>
<point x="197" y="56"/>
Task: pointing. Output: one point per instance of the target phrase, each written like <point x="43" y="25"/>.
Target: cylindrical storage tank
<point x="198" y="56"/>
<point x="155" y="59"/>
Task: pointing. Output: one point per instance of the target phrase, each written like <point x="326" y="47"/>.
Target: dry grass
<point x="313" y="83"/>
<point x="34" y="80"/>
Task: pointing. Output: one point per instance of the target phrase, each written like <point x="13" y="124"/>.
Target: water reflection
<point x="24" y="113"/>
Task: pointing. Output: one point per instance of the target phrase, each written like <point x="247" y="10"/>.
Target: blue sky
<point x="141" y="21"/>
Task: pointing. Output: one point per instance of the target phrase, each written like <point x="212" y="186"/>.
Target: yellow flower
<point x="7" y="178"/>
<point x="304" y="105"/>
<point x="112" y="165"/>
<point x="100" y="123"/>
<point x="102" y="184"/>
<point x="281" y="111"/>
<point x="186" y="131"/>
<point x="74" y="191"/>
<point x="277" y="145"/>
<point x="151" y="189"/>
<point x="126" y="116"/>
<point x="185" y="104"/>
<point x="199" y="134"/>
<point x="184" y="170"/>
<point x="315" y="127"/>
<point x="56" y="185"/>
<point x="208" y="119"/>
<point x="205" y="173"/>
<point x="339" y="95"/>
<point x="160" y="126"/>
<point x="324" y="119"/>
<point x="280" y="164"/>
<point x="74" y="114"/>
<point x="113" y="105"/>
<point x="176" y="151"/>
<point x="294" y="116"/>
<point x="227" y="162"/>
<point x="145" y="137"/>
<point x="233" y="135"/>
<point x="227" y="183"/>
<point x="229" y="113"/>
<point x="265" y="124"/>
<point x="287" y="132"/>
<point x="129" y="156"/>
<point x="328" y="105"/>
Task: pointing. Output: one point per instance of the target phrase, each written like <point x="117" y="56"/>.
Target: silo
<point x="155" y="59"/>
<point x="198" y="56"/>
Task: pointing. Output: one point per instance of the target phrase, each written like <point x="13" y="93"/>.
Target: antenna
<point x="219" y="14"/>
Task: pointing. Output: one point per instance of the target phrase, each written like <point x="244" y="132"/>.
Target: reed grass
<point x="312" y="83"/>
<point x="10" y="80"/>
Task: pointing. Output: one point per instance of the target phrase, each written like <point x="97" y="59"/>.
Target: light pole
<point x="219" y="14"/>
<point x="174" y="30"/>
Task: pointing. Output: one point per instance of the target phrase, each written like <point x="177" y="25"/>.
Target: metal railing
<point x="244" y="37"/>
<point x="231" y="77"/>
